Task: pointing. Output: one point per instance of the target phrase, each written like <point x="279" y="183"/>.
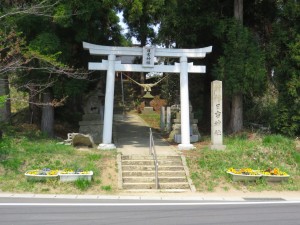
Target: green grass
<point x="208" y="167"/>
<point x="106" y="188"/>
<point x="152" y="119"/>
<point x="22" y="150"/>
<point x="82" y="185"/>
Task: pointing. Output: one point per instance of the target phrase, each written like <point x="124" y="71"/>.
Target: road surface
<point x="15" y="211"/>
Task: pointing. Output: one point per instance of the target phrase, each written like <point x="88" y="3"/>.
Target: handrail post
<point x="152" y="152"/>
<point x="150" y="144"/>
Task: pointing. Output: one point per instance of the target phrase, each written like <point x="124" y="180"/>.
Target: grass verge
<point x="208" y="168"/>
<point x="27" y="149"/>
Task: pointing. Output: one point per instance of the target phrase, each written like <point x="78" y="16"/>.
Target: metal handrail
<point x="152" y="152"/>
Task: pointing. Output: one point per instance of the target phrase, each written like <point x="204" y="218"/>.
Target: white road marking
<point x="152" y="204"/>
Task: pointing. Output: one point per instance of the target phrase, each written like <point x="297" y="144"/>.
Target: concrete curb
<point x="187" y="173"/>
<point x="120" y="177"/>
<point x="147" y="197"/>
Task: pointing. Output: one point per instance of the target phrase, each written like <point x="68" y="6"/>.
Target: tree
<point x="236" y="113"/>
<point x="241" y="67"/>
<point x="54" y="31"/>
<point x="10" y="59"/>
<point x="141" y="16"/>
<point x="13" y="55"/>
<point x="192" y="24"/>
<point x="286" y="64"/>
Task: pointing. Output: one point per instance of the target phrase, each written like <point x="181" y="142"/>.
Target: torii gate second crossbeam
<point x="148" y="54"/>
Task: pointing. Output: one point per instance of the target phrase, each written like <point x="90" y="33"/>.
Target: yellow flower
<point x="52" y="172"/>
<point x="244" y="171"/>
<point x="33" y="172"/>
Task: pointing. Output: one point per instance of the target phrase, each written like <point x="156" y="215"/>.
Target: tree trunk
<point x="238" y="10"/>
<point x="35" y="112"/>
<point x="2" y="106"/>
<point x="5" y="109"/>
<point x="47" y="123"/>
<point x="236" y="116"/>
<point x="8" y="101"/>
<point x="226" y="113"/>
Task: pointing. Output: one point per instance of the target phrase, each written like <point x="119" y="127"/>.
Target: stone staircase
<point x="138" y="172"/>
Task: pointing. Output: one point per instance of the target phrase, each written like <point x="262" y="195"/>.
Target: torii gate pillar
<point x="109" y="105"/>
<point x="184" y="106"/>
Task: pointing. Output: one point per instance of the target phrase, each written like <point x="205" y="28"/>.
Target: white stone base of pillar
<point x="186" y="147"/>
<point x="218" y="147"/>
<point x="106" y="147"/>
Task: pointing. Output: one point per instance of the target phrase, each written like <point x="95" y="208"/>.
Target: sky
<point x="125" y="27"/>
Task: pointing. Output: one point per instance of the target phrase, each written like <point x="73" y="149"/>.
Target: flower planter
<point x="275" y="175"/>
<point x="244" y="177"/>
<point x="69" y="177"/>
<point x="275" y="178"/>
<point x="40" y="175"/>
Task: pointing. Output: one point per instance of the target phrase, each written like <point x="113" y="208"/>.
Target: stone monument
<point x="92" y="120"/>
<point x="216" y="116"/>
<point x="175" y="134"/>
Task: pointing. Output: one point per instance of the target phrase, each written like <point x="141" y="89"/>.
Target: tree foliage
<point x="141" y="16"/>
<point x="242" y="65"/>
<point x="286" y="62"/>
<point x="52" y="33"/>
<point x="41" y="46"/>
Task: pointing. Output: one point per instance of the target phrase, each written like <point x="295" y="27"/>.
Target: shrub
<point x="157" y="103"/>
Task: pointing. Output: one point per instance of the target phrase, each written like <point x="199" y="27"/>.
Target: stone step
<point x="152" y="173"/>
<point x="151" y="168"/>
<point x="152" y="179"/>
<point x="150" y="157"/>
<point x="151" y="162"/>
<point x="178" y="185"/>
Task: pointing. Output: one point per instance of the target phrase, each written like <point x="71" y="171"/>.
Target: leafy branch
<point x="42" y="8"/>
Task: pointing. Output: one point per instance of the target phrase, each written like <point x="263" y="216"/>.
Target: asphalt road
<point x="88" y="212"/>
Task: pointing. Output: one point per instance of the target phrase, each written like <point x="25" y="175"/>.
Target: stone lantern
<point x="148" y="98"/>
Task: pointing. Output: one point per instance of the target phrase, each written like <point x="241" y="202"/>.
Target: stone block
<point x="192" y="121"/>
<point x="148" y="110"/>
<point x="90" y="123"/>
<point x="91" y="117"/>
<point x="94" y="128"/>
<point x="193" y="138"/>
<point x="178" y="115"/>
<point x="82" y="140"/>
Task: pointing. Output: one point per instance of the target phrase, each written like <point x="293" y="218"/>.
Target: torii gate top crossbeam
<point x="138" y="51"/>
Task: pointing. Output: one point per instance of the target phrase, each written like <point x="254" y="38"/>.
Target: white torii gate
<point x="148" y="54"/>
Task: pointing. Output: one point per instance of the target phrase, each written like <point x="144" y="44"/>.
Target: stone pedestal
<point x="147" y="110"/>
<point x="175" y="134"/>
<point x="92" y="120"/>
<point x="93" y="125"/>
